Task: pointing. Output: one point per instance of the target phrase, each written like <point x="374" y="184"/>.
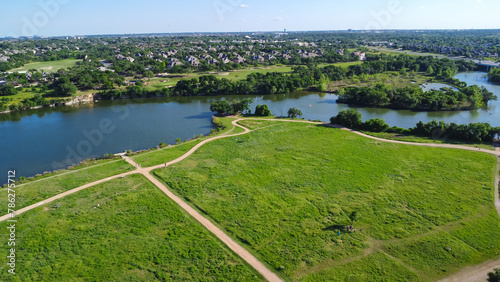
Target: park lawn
<point x="343" y="64"/>
<point x="375" y="267"/>
<point x="122" y="230"/>
<point x="51" y="66"/>
<point x="285" y="191"/>
<point x="263" y="122"/>
<point x="85" y="164"/>
<point x="163" y="82"/>
<point x="243" y="73"/>
<point x="165" y="155"/>
<point x="419" y="139"/>
<point x="160" y="82"/>
<point x="44" y="188"/>
<point x="390" y="79"/>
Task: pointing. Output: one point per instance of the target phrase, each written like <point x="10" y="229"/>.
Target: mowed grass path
<point x="51" y="66"/>
<point x="285" y="191"/>
<point x="42" y="189"/>
<point x="135" y="234"/>
<point x="167" y="154"/>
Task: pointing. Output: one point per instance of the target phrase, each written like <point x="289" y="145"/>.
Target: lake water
<point x="51" y="138"/>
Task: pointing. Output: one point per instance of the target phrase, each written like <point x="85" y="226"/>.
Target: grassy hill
<point x="123" y="230"/>
<point x="50" y="66"/>
<point x="286" y="192"/>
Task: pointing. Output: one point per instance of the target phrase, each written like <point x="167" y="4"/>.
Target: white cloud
<point x="244" y="6"/>
<point x="278" y="19"/>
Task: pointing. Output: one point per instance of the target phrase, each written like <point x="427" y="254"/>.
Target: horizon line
<point x="35" y="36"/>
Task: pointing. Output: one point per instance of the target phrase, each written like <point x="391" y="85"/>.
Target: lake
<point x="46" y="139"/>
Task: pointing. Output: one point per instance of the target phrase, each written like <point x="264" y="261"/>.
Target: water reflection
<point x="36" y="138"/>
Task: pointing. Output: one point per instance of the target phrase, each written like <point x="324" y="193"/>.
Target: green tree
<point x="66" y="89"/>
<point x="348" y="118"/>
<point x="376" y="125"/>
<point x="294" y="112"/>
<point x="262" y="111"/>
<point x="430" y="70"/>
<point x="8" y="90"/>
<point x="494" y="276"/>
<point x="241" y="106"/>
<point x="221" y="107"/>
<point x="149" y="74"/>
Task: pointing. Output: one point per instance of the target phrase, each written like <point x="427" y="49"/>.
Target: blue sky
<point x="72" y="17"/>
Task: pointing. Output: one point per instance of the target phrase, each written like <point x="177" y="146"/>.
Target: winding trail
<point x="471" y="273"/>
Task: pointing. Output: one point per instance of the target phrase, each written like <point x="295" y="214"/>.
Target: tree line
<point x="415" y="98"/>
<point x="494" y="75"/>
<point x="473" y="132"/>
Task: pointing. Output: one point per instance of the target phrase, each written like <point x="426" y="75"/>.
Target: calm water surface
<point x="51" y="138"/>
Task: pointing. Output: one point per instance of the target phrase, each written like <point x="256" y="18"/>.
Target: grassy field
<point x="158" y="83"/>
<point x="35" y="191"/>
<point x="419" y="139"/>
<point x="51" y="66"/>
<point x="164" y="155"/>
<point x="123" y="230"/>
<point x="391" y="79"/>
<point x="157" y="157"/>
<point x="285" y="192"/>
<point x="344" y="65"/>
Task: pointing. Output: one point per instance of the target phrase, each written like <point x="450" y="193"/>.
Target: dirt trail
<point x="471" y="273"/>
<point x="234" y="246"/>
<point x="474" y="273"/>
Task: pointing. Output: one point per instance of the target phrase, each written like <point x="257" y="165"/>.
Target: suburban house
<point x="239" y="59"/>
<point x="193" y="61"/>
<point x="361" y="55"/>
<point x="173" y="64"/>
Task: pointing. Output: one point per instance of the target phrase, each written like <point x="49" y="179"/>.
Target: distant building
<point x="193" y="61"/>
<point x="361" y="55"/>
<point x="173" y="64"/>
<point x="239" y="60"/>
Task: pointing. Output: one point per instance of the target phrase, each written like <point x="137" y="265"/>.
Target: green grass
<point x="390" y="79"/>
<point x="36" y="191"/>
<point x="435" y="254"/>
<point x="52" y="66"/>
<point x="376" y="267"/>
<point x="286" y="190"/>
<point x="165" y="155"/>
<point x="136" y="234"/>
<point x="344" y="64"/>
<point x="419" y="139"/>
<point x="158" y="83"/>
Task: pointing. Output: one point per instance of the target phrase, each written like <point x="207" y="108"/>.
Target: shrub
<point x="262" y="111"/>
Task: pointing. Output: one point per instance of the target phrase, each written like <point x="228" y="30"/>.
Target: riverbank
<point x="75" y="101"/>
<point x="373" y="248"/>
